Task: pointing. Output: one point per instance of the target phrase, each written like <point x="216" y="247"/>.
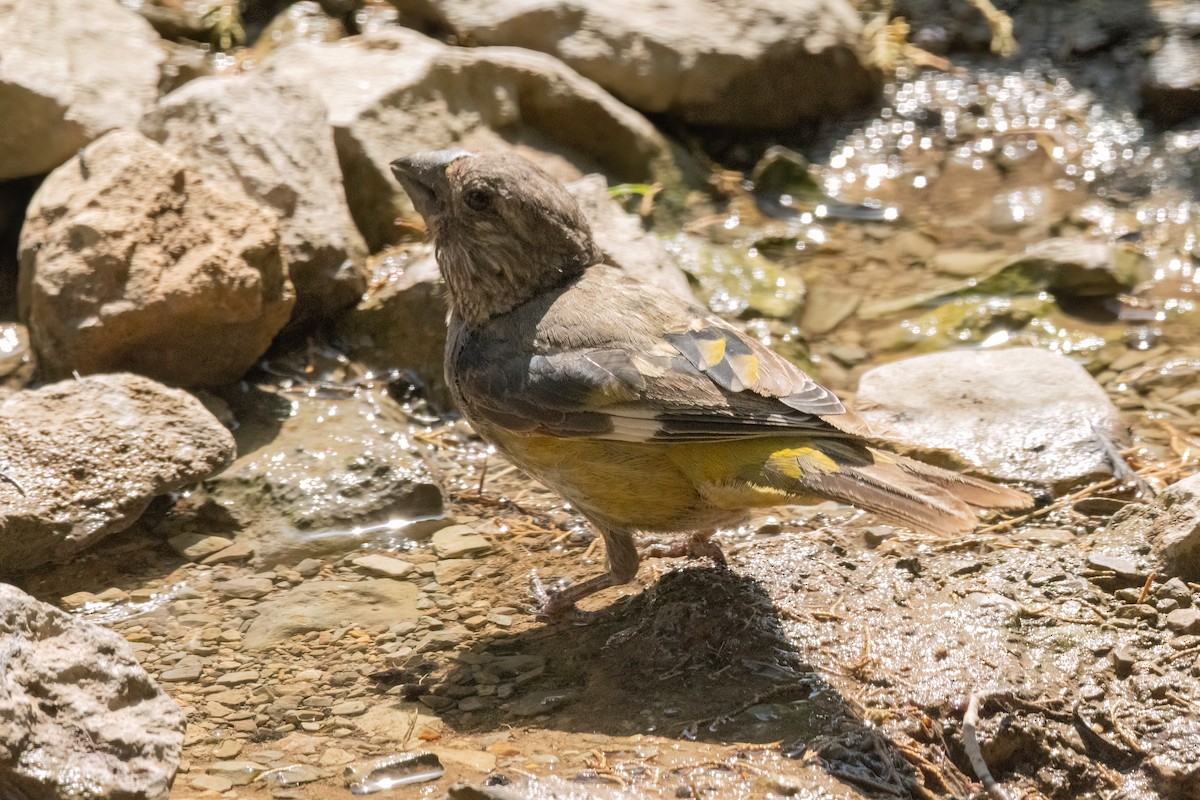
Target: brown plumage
<point x="646" y="412"/>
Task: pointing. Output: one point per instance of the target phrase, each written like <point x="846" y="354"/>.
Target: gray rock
<point x="1167" y="529"/>
<point x="196" y="546"/>
<point x="325" y="478"/>
<point x="132" y="261"/>
<point x="1175" y="528"/>
<point x="541" y="702"/>
<point x="1021" y="414"/>
<point x="79" y="718"/>
<point x="459" y="541"/>
<point x="1184" y="620"/>
<point x="383" y="566"/>
<point x="1120" y="565"/>
<point x="397" y="92"/>
<point x="243" y="587"/>
<point x="85" y="457"/>
<point x="323" y="605"/>
<point x="743" y="64"/>
<point x="70" y="72"/>
<point x="272" y="139"/>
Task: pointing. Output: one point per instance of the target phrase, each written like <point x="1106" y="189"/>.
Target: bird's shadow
<point x="700" y="655"/>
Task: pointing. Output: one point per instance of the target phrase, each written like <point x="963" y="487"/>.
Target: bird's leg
<point x="623" y="561"/>
<point x="698" y="544"/>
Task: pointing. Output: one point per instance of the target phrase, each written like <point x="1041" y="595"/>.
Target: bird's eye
<point x="478" y="199"/>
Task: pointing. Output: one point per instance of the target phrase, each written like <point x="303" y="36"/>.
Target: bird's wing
<point x="704" y="382"/>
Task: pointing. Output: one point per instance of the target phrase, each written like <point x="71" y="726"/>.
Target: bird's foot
<point x="558" y="604"/>
<point x="693" y="545"/>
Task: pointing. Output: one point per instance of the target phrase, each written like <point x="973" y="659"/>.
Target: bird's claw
<point x="558" y="604"/>
<point x="695" y="545"/>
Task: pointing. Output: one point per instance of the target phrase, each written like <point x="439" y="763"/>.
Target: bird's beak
<point x="423" y="176"/>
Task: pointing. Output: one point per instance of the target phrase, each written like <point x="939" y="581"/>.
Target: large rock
<point x="70" y="70"/>
<point x="1021" y="414"/>
<point x="737" y="63"/>
<point x="1162" y="537"/>
<point x="79" y="717"/>
<point x="82" y="459"/>
<point x="401" y="323"/>
<point x="130" y="260"/>
<point x="398" y="92"/>
<point x="272" y="139"/>
<point x="322" y="474"/>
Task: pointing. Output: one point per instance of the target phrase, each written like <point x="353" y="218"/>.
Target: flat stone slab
<point x="1021" y="414"/>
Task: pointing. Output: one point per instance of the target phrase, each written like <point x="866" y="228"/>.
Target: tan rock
<point x="85" y="457"/>
<point x="397" y="92"/>
<point x="737" y="63"/>
<point x="131" y="261"/>
<point x="71" y="70"/>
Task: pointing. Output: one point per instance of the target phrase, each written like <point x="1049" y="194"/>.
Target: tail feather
<point x="909" y="492"/>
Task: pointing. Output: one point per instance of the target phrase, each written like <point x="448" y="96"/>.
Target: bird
<point x="646" y="412"/>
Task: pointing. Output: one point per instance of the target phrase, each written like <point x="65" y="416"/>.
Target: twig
<point x="1061" y="502"/>
<point x="4" y="476"/>
<point x="1120" y="467"/>
<point x="1191" y="651"/>
<point x="1145" y="592"/>
<point x="971" y="744"/>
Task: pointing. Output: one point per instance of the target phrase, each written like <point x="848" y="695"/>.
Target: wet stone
<point x="459" y="541"/>
<point x="236" y="553"/>
<point x="383" y="566"/>
<point x="211" y="783"/>
<point x="77" y="600"/>
<point x="309" y="567"/>
<point x="294" y="775"/>
<point x="1123" y="567"/>
<point x="1184" y="620"/>
<point x="238" y="677"/>
<point x="1041" y="577"/>
<point x="244" y="588"/>
<point x="239" y="773"/>
<point x="1123" y="659"/>
<point x="1176" y="589"/>
<point x="541" y="702"/>
<point x="196" y="546"/>
<point x="453" y="570"/>
<point x="190" y="672"/>
<point x="1137" y="611"/>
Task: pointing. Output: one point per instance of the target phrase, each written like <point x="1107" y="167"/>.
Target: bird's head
<point x="504" y="230"/>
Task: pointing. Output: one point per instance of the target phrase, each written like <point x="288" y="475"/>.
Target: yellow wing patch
<point x="797" y="462"/>
<point x="745" y="366"/>
<point x="711" y="352"/>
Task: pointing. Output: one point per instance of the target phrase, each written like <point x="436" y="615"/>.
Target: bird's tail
<point x="899" y="489"/>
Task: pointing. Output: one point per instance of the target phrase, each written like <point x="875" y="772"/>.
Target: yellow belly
<point x="656" y="486"/>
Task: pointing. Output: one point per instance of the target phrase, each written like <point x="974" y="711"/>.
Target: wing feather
<point x="706" y="382"/>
